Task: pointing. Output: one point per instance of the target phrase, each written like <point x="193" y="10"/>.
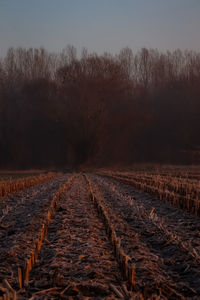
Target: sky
<point x="100" y="25"/>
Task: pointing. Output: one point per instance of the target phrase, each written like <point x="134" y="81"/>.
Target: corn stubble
<point x="183" y="192"/>
<point x="107" y="236"/>
<point x="14" y="186"/>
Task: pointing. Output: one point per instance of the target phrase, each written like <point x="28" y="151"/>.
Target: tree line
<point x="64" y="110"/>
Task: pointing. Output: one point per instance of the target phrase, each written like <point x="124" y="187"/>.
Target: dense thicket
<point x="60" y="110"/>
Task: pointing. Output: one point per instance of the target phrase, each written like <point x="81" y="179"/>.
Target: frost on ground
<point x="77" y="259"/>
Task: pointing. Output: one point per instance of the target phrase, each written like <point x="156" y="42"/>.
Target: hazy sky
<point x="100" y="25"/>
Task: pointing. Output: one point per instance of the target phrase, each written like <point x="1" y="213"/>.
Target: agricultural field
<point x="108" y="234"/>
<point x="11" y="175"/>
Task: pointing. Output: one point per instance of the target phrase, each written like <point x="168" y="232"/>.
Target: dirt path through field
<point x="166" y="236"/>
<point x="77" y="256"/>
